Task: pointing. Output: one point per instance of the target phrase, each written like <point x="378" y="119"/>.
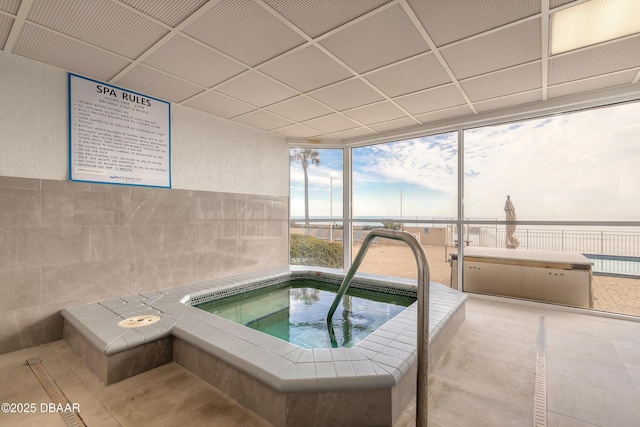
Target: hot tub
<point x="369" y="383"/>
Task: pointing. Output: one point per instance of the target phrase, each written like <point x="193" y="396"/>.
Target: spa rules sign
<point x="117" y="136"/>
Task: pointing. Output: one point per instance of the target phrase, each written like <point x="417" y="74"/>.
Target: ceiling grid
<point x="319" y="70"/>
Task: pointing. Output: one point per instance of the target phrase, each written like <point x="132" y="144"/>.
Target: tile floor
<point x="485" y="378"/>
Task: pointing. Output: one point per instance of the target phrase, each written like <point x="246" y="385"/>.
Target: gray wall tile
<point x="161" y="271"/>
<point x="147" y="239"/>
<point x="19" y="289"/>
<point x="179" y="238"/>
<point x="21" y="183"/>
<point x="64" y="207"/>
<point x="19" y="207"/>
<point x="160" y="206"/>
<point x="107" y="243"/>
<point x="49" y="246"/>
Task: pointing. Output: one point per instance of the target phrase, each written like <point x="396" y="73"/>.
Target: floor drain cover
<point x="138" y="321"/>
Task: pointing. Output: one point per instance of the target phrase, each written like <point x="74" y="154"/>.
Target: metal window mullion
<point x="347" y="212"/>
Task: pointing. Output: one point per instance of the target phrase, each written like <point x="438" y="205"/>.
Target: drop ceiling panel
<point x="193" y="62"/>
<point x="263" y="120"/>
<point x="170" y="12"/>
<point x="300" y="109"/>
<point x="601" y="59"/>
<point x="256" y="89"/>
<point x="558" y="3"/>
<point x="99" y="22"/>
<point x="306" y="69"/>
<point x="5" y="27"/>
<point x="505" y="82"/>
<point x="393" y="124"/>
<point x="509" y="101"/>
<point x="349" y="94"/>
<point x="219" y="105"/>
<point x="505" y="48"/>
<point x="154" y="83"/>
<point x="381" y="39"/>
<point x="409" y="76"/>
<point x="332" y="123"/>
<point x="430" y="100"/>
<point x="471" y="17"/>
<point x="245" y="31"/>
<point x="44" y="46"/>
<point x="375" y="113"/>
<point x="459" y="111"/>
<point x="297" y="131"/>
<point x="10" y="6"/>
<point x="317" y="17"/>
<point x="352" y="133"/>
<point x="593" y="83"/>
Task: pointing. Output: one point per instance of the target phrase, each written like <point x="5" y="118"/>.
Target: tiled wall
<point x="65" y="243"/>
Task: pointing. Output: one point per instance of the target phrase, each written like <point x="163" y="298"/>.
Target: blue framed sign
<point x="117" y="136"/>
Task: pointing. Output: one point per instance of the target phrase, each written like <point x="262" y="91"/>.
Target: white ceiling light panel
<point x="193" y="62"/>
<point x="349" y="94"/>
<point x="471" y="17"/>
<point x="409" y="76"/>
<point x="501" y="49"/>
<point x="53" y="49"/>
<point x="256" y="89"/>
<point x="219" y="105"/>
<point x="101" y="23"/>
<point x="244" y="31"/>
<point x="154" y="83"/>
<point x="381" y="39"/>
<point x="306" y="69"/>
<point x="168" y="12"/>
<point x="318" y="17"/>
<point x="593" y="22"/>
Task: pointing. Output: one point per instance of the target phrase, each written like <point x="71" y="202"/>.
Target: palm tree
<point x="304" y="156"/>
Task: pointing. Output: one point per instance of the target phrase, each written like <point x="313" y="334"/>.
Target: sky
<point x="583" y="166"/>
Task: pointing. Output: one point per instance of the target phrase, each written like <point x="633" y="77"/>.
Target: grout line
<point x="540" y="396"/>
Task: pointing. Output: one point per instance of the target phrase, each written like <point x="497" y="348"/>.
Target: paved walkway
<point x="612" y="294"/>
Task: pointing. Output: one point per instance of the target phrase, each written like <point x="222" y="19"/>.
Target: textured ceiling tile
<point x="5" y="27"/>
<point x="413" y="75"/>
<point x="10" y="6"/>
<point x="593" y="83"/>
<point x="505" y="48"/>
<point x="256" y="89"/>
<point x="430" y="100"/>
<point x="219" y="105"/>
<point x="558" y="3"/>
<point x="505" y="82"/>
<point x="297" y="131"/>
<point x="449" y="113"/>
<point x="317" y="17"/>
<point x="263" y="120"/>
<point x="306" y="69"/>
<point x="471" y="17"/>
<point x="154" y="83"/>
<point x="50" y="48"/>
<point x="393" y="124"/>
<point x="99" y="22"/>
<point x="601" y="59"/>
<point x="375" y="113"/>
<point x="508" y="101"/>
<point x="170" y="12"/>
<point x="349" y="94"/>
<point x="381" y="39"/>
<point x="332" y="123"/>
<point x="352" y="133"/>
<point x="193" y="62"/>
<point x="300" y="109"/>
<point x="245" y="31"/>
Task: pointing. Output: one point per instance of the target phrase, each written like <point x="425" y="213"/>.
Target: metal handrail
<point x="423" y="308"/>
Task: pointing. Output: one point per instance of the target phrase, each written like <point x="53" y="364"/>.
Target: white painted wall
<point x="208" y="153"/>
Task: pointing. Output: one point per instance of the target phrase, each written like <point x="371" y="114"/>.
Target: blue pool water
<point x="296" y="312"/>
<point x="615" y="265"/>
